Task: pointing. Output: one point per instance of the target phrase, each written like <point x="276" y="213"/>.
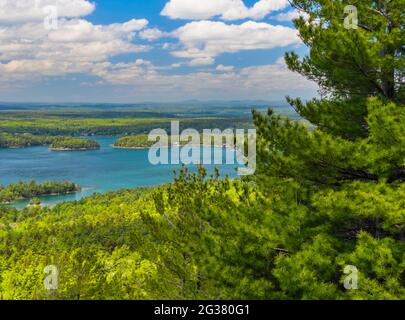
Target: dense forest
<point x="29" y="190"/>
<point x="74" y="144"/>
<point x="48" y="125"/>
<point x="24" y="140"/>
<point x="321" y="200"/>
<point x="20" y="129"/>
<point x="139" y="141"/>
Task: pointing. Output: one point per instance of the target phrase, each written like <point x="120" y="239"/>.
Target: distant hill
<point x="145" y="105"/>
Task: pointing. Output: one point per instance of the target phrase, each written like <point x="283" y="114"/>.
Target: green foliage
<point x="288" y="149"/>
<point x="29" y="190"/>
<point x="37" y="123"/>
<point x="362" y="62"/>
<point x="205" y="238"/>
<point x="25" y="140"/>
<point x="74" y="144"/>
<point x="350" y="65"/>
<point x="136" y="141"/>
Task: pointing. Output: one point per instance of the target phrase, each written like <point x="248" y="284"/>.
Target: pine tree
<point x="365" y="60"/>
<point x="349" y="165"/>
<point x="360" y="73"/>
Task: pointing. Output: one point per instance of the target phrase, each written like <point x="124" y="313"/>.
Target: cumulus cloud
<point x="151" y="34"/>
<point x="204" y="40"/>
<point x="275" y="77"/>
<point x="225" y="9"/>
<point x="29" y="51"/>
<point x="203" y="61"/>
<point x="271" y="82"/>
<point x="81" y="31"/>
<point x="223" y="68"/>
<point x="124" y="73"/>
<point x="34" y="70"/>
<point x="12" y="11"/>
<point x="291" y="15"/>
<point x="74" y="41"/>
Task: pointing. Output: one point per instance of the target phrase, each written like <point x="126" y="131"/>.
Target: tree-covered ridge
<point x="38" y="124"/>
<point x="24" y="140"/>
<point x="74" y="144"/>
<point x="29" y="190"/>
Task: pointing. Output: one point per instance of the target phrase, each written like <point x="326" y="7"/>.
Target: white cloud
<point x="151" y="34"/>
<point x="275" y="77"/>
<point x="74" y="40"/>
<point x="144" y="81"/>
<point x="290" y="15"/>
<point x="203" y="61"/>
<point x="81" y="31"/>
<point x="124" y="73"/>
<point x="78" y="46"/>
<point x="141" y="80"/>
<point x="221" y="67"/>
<point x="204" y="40"/>
<point x="225" y="9"/>
<point x="13" y="11"/>
<point x="29" y="51"/>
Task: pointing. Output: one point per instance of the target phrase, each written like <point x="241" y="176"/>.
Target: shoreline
<point x="23" y="147"/>
<point x="198" y="145"/>
<point x="73" y="149"/>
<point x="130" y="148"/>
<point x="39" y="196"/>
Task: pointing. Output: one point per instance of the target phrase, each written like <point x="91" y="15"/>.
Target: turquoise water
<point x="99" y="171"/>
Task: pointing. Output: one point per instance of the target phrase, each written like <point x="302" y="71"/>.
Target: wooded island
<point x="74" y="144"/>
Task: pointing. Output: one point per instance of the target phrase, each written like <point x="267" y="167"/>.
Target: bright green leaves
<point x="376" y="208"/>
<point x="381" y="266"/>
<point x="289" y="150"/>
<point x="387" y="138"/>
<point x="311" y="272"/>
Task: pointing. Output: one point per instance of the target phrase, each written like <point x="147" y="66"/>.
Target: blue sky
<point x="156" y="50"/>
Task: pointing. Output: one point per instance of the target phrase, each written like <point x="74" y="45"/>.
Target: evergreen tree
<point x="350" y="168"/>
<point x="360" y="117"/>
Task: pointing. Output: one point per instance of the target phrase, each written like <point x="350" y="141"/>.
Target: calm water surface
<point x="99" y="171"/>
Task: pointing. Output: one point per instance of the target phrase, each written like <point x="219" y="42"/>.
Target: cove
<point x="96" y="171"/>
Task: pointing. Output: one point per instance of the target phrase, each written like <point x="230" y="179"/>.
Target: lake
<point x="98" y="171"/>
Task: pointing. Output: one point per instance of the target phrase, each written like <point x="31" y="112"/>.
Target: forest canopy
<point x="74" y="144"/>
<point x="24" y="140"/>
